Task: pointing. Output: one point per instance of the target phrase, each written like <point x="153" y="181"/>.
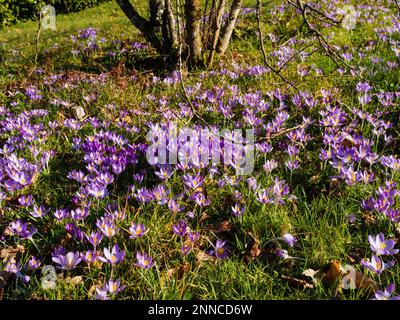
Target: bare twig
<point x="37" y="49"/>
<point x="397" y="4"/>
<point x="261" y="38"/>
<point x="330" y="50"/>
<point x="296" y="54"/>
<point x="271" y="136"/>
<point x="331" y="20"/>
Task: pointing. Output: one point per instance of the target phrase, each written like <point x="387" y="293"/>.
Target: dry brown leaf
<point x="252" y="249"/>
<point x="92" y="290"/>
<point x="365" y="283"/>
<point x="313" y="274"/>
<point x="334" y="183"/>
<point x="204" y="216"/>
<point x="7" y="232"/>
<point x="179" y="271"/>
<point x="11" y="252"/>
<point x="224" y="226"/>
<point x="202" y="256"/>
<point x="184" y="268"/>
<point x="73" y="281"/>
<point x="315" y="179"/>
<point x="333" y="274"/>
<point x="348" y="140"/>
<point x="368" y="219"/>
<point x="329" y="275"/>
<point x="66" y="239"/>
<point x="12" y="200"/>
<point x="297" y="282"/>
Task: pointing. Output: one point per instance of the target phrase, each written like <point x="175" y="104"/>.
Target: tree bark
<point x="229" y="26"/>
<point x="142" y="24"/>
<point x="155" y="8"/>
<point x="216" y="29"/>
<point x="169" y="26"/>
<point x="193" y="35"/>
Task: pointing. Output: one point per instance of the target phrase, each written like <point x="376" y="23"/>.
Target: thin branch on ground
<point x="37" y="49"/>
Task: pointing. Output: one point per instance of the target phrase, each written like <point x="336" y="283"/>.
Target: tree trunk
<point x="216" y="29"/>
<point x="143" y="25"/>
<point x="169" y="25"/>
<point x="193" y="35"/>
<point x="229" y="26"/>
<point x="156" y="8"/>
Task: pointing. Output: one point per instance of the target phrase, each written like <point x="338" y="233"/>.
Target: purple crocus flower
<point x="237" y="211"/>
<point x="61" y="214"/>
<point x="25" y="201"/>
<point x="376" y="264"/>
<point x="102" y="292"/>
<point x="89" y="256"/>
<point x="387" y="294"/>
<point x="94" y="238"/>
<point x="107" y="227"/>
<point x="174" y="206"/>
<point x="23" y="178"/>
<point x="185" y="250"/>
<point x="58" y="251"/>
<point x="201" y="200"/>
<point x="74" y="231"/>
<point x="137" y="230"/>
<point x="363" y="87"/>
<point x="281" y="253"/>
<point x="382" y="246"/>
<point x="221" y="251"/>
<point x="143" y="260"/>
<point x="97" y="190"/>
<point x="39" y="212"/>
<point x="180" y="229"/>
<point x="289" y="239"/>
<point x="68" y="261"/>
<point x="193" y="182"/>
<point x="263" y="196"/>
<point x="79" y="213"/>
<point x="193" y="236"/>
<point x="351" y="218"/>
<point x="15" y="267"/>
<point x="165" y="172"/>
<point x="252" y="183"/>
<point x="114" y="256"/>
<point x="115" y="287"/>
<point x="22" y="229"/>
<point x="34" y="263"/>
<point x="160" y="194"/>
